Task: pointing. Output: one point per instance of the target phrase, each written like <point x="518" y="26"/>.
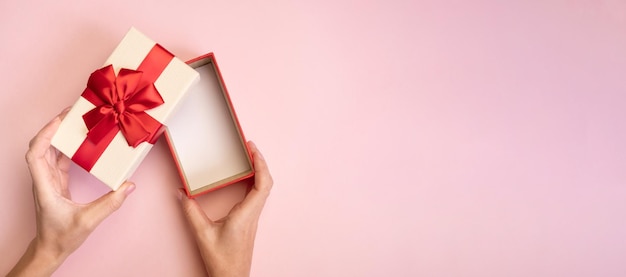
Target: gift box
<point x="205" y="137"/>
<point x="123" y="109"/>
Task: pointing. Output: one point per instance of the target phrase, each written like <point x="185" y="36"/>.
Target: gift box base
<point x="204" y="135"/>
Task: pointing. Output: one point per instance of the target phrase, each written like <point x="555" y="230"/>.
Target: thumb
<point x="197" y="219"/>
<point x="104" y="206"/>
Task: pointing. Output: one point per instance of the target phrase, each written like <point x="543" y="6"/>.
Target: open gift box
<point x="204" y="135"/>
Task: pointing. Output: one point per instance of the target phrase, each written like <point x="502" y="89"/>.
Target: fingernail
<point x="180" y="194"/>
<point x="260" y="155"/>
<point x="130" y="188"/>
<point x="65" y="110"/>
<point x="257" y="150"/>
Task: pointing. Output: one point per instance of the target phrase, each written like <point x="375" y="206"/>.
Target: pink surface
<point x="406" y="138"/>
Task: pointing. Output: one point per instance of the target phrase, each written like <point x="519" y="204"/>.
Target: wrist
<point x="227" y="273"/>
<point x="47" y="253"/>
<point x="227" y="269"/>
<point x="38" y="260"/>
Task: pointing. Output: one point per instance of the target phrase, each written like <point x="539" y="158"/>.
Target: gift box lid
<point x="121" y="98"/>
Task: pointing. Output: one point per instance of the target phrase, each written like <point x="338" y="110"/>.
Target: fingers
<point x="263" y="182"/>
<point x="263" y="179"/>
<point x="196" y="217"/>
<point x="40" y="144"/>
<point x="63" y="162"/>
<point x="104" y="206"/>
<point x="40" y="155"/>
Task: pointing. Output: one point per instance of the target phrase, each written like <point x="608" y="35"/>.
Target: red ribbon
<point x="120" y="105"/>
<point x="121" y="102"/>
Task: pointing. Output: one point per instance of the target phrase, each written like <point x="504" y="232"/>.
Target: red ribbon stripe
<point x="115" y="111"/>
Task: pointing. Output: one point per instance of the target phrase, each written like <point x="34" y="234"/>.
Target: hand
<point x="226" y="245"/>
<point x="62" y="225"/>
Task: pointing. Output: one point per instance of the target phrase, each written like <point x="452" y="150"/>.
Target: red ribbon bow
<point x="121" y="103"/>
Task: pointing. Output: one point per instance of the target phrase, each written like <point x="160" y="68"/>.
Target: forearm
<point x="37" y="261"/>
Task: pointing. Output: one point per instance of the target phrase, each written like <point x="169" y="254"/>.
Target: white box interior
<point x="205" y="137"/>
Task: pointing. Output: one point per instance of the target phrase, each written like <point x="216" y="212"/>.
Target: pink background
<point x="406" y="138"/>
